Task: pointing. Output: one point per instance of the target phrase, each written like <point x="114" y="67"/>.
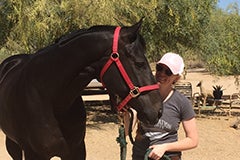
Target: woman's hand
<point x="157" y="151"/>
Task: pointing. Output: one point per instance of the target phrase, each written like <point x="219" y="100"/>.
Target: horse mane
<point x="71" y="36"/>
<point x="65" y="39"/>
<point x="101" y="28"/>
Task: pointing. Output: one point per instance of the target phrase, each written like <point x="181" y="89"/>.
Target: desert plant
<point x="217" y="91"/>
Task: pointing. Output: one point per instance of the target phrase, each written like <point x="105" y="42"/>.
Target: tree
<point x="37" y="23"/>
<point x="180" y="24"/>
<point x="5" y="23"/>
<point x="220" y="45"/>
<point x="190" y="28"/>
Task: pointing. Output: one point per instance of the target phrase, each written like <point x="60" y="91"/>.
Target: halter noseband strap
<point x="114" y="58"/>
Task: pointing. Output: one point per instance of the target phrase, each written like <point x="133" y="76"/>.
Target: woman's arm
<point x="189" y="142"/>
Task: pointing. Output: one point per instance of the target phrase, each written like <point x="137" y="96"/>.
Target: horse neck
<point x="73" y="57"/>
<point x="64" y="65"/>
<point x="91" y="51"/>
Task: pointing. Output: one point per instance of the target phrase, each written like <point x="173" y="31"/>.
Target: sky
<point x="224" y="3"/>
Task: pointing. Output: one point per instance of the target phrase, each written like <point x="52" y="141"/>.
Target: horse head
<point x="117" y="57"/>
<point x="128" y="75"/>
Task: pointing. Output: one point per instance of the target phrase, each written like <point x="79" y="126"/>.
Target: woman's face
<point x="163" y="74"/>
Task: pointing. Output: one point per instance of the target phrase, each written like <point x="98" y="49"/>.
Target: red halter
<point x="134" y="91"/>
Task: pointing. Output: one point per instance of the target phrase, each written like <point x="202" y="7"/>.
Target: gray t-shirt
<point x="176" y="109"/>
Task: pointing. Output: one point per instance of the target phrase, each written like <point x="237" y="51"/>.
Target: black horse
<point x="41" y="109"/>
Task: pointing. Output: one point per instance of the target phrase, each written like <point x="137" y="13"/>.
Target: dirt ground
<point x="218" y="141"/>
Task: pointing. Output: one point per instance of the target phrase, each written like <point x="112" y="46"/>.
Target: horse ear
<point x="134" y="30"/>
<point x="136" y="27"/>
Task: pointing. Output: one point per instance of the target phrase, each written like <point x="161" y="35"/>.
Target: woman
<point x="162" y="138"/>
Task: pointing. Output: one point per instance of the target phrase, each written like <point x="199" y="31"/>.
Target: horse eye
<point x="139" y="64"/>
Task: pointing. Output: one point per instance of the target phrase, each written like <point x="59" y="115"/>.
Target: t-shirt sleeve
<point x="186" y="110"/>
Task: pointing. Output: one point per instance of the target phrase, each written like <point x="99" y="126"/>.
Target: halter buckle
<point x="135" y="92"/>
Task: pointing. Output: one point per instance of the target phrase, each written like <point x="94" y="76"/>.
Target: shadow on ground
<point x="99" y="115"/>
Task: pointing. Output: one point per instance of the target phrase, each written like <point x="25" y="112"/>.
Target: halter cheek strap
<point x="114" y="58"/>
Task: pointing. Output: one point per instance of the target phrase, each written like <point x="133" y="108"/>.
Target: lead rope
<point x="164" y="157"/>
<point x="121" y="139"/>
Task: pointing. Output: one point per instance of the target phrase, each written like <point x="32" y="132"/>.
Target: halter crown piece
<point x="114" y="58"/>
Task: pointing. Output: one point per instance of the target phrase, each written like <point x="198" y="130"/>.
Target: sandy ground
<point x="218" y="141"/>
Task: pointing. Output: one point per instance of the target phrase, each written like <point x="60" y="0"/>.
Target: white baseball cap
<point x="173" y="61"/>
